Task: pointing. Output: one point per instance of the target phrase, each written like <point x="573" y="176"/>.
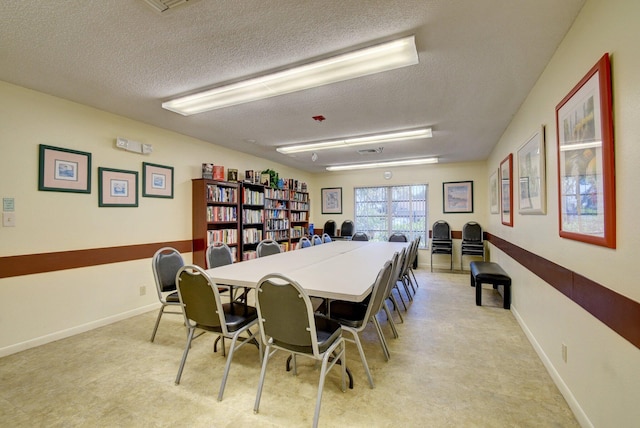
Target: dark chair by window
<point x="398" y="237"/>
<point x="347" y="228"/>
<point x="204" y="310"/>
<point x="441" y="242"/>
<point x="267" y="247"/>
<point x="165" y="265"/>
<point x="472" y="241"/>
<point x="288" y="323"/>
<point x="329" y="228"/>
<point x="360" y="236"/>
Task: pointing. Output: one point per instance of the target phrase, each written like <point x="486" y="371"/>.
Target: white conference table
<point x="339" y="270"/>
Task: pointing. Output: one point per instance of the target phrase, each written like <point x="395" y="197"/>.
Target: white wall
<point x="432" y="175"/>
<point x="44" y="307"/>
<point x="601" y="379"/>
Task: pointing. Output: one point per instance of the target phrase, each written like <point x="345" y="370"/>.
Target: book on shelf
<point x="248" y="176"/>
<point x="265" y="179"/>
<point x="207" y="171"/>
<point x="218" y="172"/>
<point x="232" y="175"/>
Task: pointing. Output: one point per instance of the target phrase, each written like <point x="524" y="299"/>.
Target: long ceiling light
<point x="374" y="59"/>
<point x="421" y="161"/>
<point x="357" y="141"/>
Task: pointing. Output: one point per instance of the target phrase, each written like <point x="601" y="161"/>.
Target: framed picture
<point x="506" y="191"/>
<point x="494" y="192"/>
<point x="117" y="188"/>
<point x="332" y="200"/>
<point x="157" y="181"/>
<point x="64" y="170"/>
<point x="531" y="175"/>
<point x="457" y="197"/>
<point x="586" y="182"/>
<point x="232" y="175"/>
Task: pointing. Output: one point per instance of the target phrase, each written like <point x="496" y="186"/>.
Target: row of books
<point x="275" y="214"/>
<point x="275" y="204"/>
<point x="299" y="216"/>
<point x="228" y="236"/>
<point x="277" y="235"/>
<point x="298" y="231"/>
<point x="216" y="172"/>
<point x="300" y="206"/>
<point x="252" y="216"/>
<point x="222" y="194"/>
<point x="277" y="224"/>
<point x="252" y="197"/>
<point x="215" y="214"/>
<point x="252" y="236"/>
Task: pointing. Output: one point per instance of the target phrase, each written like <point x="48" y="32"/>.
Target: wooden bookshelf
<point x="215" y="216"/>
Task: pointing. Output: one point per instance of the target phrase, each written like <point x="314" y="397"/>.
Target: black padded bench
<point x="490" y="273"/>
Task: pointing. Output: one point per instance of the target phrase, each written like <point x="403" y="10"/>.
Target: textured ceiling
<point x="478" y="61"/>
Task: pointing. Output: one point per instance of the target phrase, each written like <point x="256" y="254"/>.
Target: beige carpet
<point x="454" y="365"/>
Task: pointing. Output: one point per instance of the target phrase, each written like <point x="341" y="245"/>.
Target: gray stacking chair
<point x="360" y="236"/>
<point x="267" y="247"/>
<point x="326" y="238"/>
<point x="347" y="228"/>
<point x="329" y="228"/>
<point x="472" y="241"/>
<point x="398" y="237"/>
<point x="441" y="242"/>
<point x="204" y="310"/>
<point x="288" y="323"/>
<point x="354" y="316"/>
<point x="218" y="254"/>
<point x="304" y="243"/>
<point x="316" y="240"/>
<point x="165" y="264"/>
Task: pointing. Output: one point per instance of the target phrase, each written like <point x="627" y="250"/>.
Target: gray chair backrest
<point x="379" y="293"/>
<point x="360" y="236"/>
<point x="316" y="240"/>
<point x="441" y="231"/>
<point x="268" y="247"/>
<point x="200" y="298"/>
<point x="329" y="228"/>
<point x="166" y="262"/>
<point x="218" y="254"/>
<point x="304" y="242"/>
<point x="398" y="237"/>
<point x="285" y="314"/>
<point x="326" y="238"/>
<point x="347" y="228"/>
<point x="472" y="232"/>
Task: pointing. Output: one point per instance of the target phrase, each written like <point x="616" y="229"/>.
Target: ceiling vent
<point x="164" y="5"/>
<point x="370" y="151"/>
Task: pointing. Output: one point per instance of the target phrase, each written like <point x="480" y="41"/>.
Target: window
<point x="381" y="211"/>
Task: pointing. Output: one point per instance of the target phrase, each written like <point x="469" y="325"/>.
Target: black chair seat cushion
<point x="327" y="332"/>
<point x="236" y="315"/>
<point x="350" y="314"/>
<point x="173" y="298"/>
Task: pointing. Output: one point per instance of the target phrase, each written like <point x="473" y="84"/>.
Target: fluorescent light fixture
<point x="374" y="59"/>
<point x="358" y="141"/>
<point x="421" y="161"/>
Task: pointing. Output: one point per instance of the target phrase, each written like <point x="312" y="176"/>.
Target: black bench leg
<point x="478" y="294"/>
<point x="507" y="297"/>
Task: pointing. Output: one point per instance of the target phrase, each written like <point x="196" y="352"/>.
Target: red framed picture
<point x="586" y="178"/>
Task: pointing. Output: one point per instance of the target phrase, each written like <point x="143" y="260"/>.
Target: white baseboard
<point x="42" y="340"/>
<point x="582" y="418"/>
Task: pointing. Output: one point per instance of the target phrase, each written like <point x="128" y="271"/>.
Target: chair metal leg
<point x="383" y="341"/>
<point x="400" y="295"/>
<point x="184" y="355"/>
<point x="390" y="319"/>
<point x="155" y="328"/>
<point x="356" y="340"/>
<point x="396" y="306"/>
<point x="263" y="371"/>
